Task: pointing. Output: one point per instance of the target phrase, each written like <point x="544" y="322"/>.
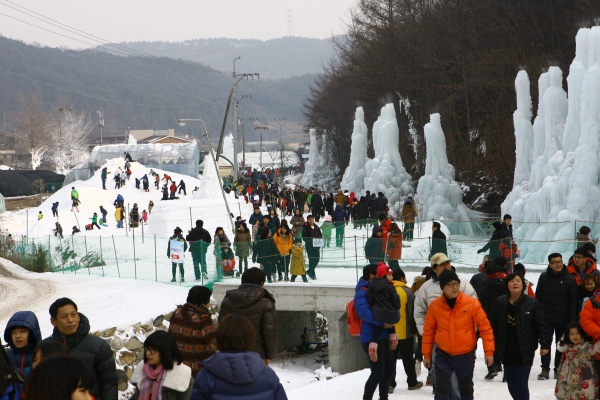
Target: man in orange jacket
<point x="450" y="323"/>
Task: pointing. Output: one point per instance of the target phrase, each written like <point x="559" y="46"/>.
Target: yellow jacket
<point x="297" y="263"/>
<point x="284" y="243"/>
<point x="406" y="326"/>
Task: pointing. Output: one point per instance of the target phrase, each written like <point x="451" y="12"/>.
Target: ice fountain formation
<point x="563" y="185"/>
<point x="354" y="177"/>
<point x="439" y="195"/>
<point x="385" y="172"/>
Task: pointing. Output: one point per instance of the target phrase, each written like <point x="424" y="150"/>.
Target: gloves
<point x="480" y="251"/>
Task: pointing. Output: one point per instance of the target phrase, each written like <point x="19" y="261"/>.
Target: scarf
<point x="156" y="375"/>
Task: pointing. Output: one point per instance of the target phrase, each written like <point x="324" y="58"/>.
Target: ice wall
<point x="438" y="193"/>
<point x="354" y="177"/>
<point x="564" y="185"/>
<point x="385" y="172"/>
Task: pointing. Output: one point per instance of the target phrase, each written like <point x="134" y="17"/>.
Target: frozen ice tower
<point x="210" y="186"/>
<point x="385" y="172"/>
<point x="523" y="129"/>
<point x="228" y="147"/>
<point x="354" y="177"/>
<point x="563" y="185"/>
<point x="311" y="167"/>
<point x="439" y="194"/>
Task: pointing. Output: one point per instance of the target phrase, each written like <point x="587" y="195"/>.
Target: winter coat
<point x="21" y="358"/>
<point x="340" y="199"/>
<point x="530" y="325"/>
<point x="329" y="205"/>
<point x="327" y="228"/>
<point x="577" y="378"/>
<point x="381" y="204"/>
<point x="316" y="202"/>
<point x="119" y="214"/>
<point x="254" y="218"/>
<point x="239" y="375"/>
<point x="590" y="268"/>
<point x="96" y="353"/>
<point x="274" y="224"/>
<point x="297" y="222"/>
<point x="283" y="242"/>
<point x="199" y="239"/>
<point x="508" y="231"/>
<point x="492" y="289"/>
<point x="258" y="305"/>
<point x="75" y="194"/>
<point x="12" y="392"/>
<point x="429" y="292"/>
<point x="373" y="250"/>
<point x="54" y="206"/>
<point x="438" y="243"/>
<point x="589" y="318"/>
<point x="394" y="246"/>
<point x="362" y="212"/>
<point x="409" y="213"/>
<point x="363" y="310"/>
<point x="242" y="243"/>
<point x="452" y="328"/>
<point x="406" y="327"/>
<point x="178" y="238"/>
<point x="558" y="295"/>
<point x="478" y="280"/>
<point x="177" y="384"/>
<point x="194" y="332"/>
<point x="339" y="216"/>
<point x="384" y="301"/>
<point x="297" y="266"/>
<point x="309" y="233"/>
<point x="494" y="244"/>
<point x="265" y="252"/>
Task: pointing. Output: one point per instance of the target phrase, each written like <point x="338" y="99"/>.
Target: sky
<point x="176" y="20"/>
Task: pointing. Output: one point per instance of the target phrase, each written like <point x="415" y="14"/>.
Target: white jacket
<point x="430" y="291"/>
<point x="178" y="379"/>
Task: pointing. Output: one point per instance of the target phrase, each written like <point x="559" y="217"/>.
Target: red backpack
<point x="354" y="323"/>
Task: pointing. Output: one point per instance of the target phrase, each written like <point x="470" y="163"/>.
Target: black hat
<point x="447" y="276"/>
<point x="582" y="252"/>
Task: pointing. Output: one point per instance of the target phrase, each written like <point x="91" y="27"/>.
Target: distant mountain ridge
<point x="272" y="59"/>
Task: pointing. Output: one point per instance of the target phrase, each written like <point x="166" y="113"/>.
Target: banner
<point x="177" y="253"/>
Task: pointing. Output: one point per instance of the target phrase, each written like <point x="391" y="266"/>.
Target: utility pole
<point x="281" y="142"/>
<point x="236" y="166"/>
<point x="262" y="128"/>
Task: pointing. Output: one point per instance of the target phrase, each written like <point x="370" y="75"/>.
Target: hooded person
<point x="582" y="264"/>
<point x="373" y="247"/>
<point x="22" y="334"/>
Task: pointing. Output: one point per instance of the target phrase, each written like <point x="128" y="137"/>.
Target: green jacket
<point x="75" y="193"/>
<point x="95" y="219"/>
<point x="326" y="228"/>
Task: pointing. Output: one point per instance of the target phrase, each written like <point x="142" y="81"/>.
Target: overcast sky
<point x="175" y="20"/>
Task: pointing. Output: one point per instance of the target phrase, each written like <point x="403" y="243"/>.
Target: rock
<point x="122" y="380"/>
<point x="161" y="327"/>
<point x="127" y="357"/>
<point x="158" y="321"/>
<point x="116" y="343"/>
<point x="97" y="333"/>
<point x="134" y="344"/>
<point x="148" y="327"/>
<point x="168" y="316"/>
<point x="139" y="355"/>
<point x="109" y="332"/>
<point x="128" y="371"/>
<point x="137" y="326"/>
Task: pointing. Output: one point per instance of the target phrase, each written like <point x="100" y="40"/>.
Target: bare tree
<point x="30" y="129"/>
<point x="68" y="130"/>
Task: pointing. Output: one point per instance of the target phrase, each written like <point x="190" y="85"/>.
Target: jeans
<point x="339" y="233"/>
<point x="462" y="365"/>
<point x="517" y="377"/>
<point x="405" y="352"/>
<point x="557" y="330"/>
<point x="184" y="192"/>
<point x="120" y="224"/>
<point x="454" y="388"/>
<point x="418" y="349"/>
<point x="313" y="260"/>
<point x="381" y="371"/>
<point x="104" y="184"/>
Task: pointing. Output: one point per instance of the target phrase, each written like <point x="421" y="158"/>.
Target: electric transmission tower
<point x="289" y="22"/>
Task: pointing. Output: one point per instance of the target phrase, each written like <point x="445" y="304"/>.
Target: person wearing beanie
<point x="455" y="315"/>
<point x="494" y="244"/>
<point x="493" y="288"/>
<point x="374" y="246"/>
<point x="385" y="306"/>
<point x="582" y="264"/>
<point x="432" y="290"/>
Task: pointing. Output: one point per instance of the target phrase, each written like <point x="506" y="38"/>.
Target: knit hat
<point x="383" y="270"/>
<point x="580" y="251"/>
<point x="376" y="229"/>
<point x="447" y="276"/>
<point x="328" y="218"/>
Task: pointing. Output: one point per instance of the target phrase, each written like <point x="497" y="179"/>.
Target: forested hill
<point x="138" y="93"/>
<point x="273" y="59"/>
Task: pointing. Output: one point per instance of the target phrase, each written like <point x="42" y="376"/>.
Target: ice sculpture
<point x="311" y="167"/>
<point x="210" y="185"/>
<point x="228" y="148"/>
<point x="354" y="177"/>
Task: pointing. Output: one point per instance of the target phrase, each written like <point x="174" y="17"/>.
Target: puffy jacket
<point x="340" y="199"/>
<point x="265" y="252"/>
<point x="531" y="326"/>
<point x="96" y="353"/>
<point x="394" y="246"/>
<point x="258" y="305"/>
<point x="362" y="212"/>
<point x="438" y="243"/>
<point x="381" y="204"/>
<point x="21" y="358"/>
<point x="363" y="309"/>
<point x="339" y="216"/>
<point x="478" y="280"/>
<point x="297" y="266"/>
<point x="374" y="250"/>
<point x="297" y="222"/>
<point x="119" y="214"/>
<point x="237" y="375"/>
<point x="494" y="287"/>
<point x="409" y="213"/>
<point x="590" y="268"/>
<point x="194" y="333"/>
<point x="308" y="233"/>
<point x="199" y="240"/>
<point x="283" y="242"/>
<point x="384" y="301"/>
<point x="254" y="218"/>
<point x="558" y="295"/>
<point x="406" y="327"/>
<point x="177" y="384"/>
<point x="242" y="243"/>
<point x="12" y="392"/>
<point x="452" y="328"/>
<point x="429" y="292"/>
<point x="494" y="244"/>
<point x="589" y="318"/>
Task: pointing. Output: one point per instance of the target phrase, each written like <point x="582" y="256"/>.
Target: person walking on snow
<point x="182" y="187"/>
<point x="95" y="221"/>
<point x="199" y="239"/>
<point x="104" y="214"/>
<point x="74" y="193"/>
<point x="103" y="176"/>
<point x="75" y="203"/>
<point x="55" y="209"/>
<point x="40" y="216"/>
